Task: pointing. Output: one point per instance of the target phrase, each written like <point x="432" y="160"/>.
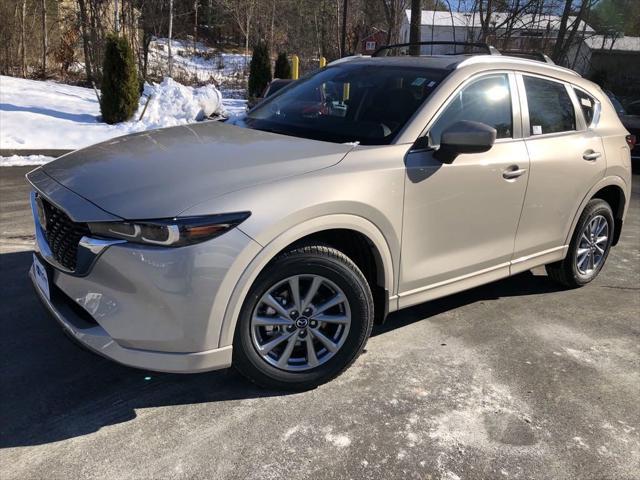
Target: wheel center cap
<point x="302" y="322"/>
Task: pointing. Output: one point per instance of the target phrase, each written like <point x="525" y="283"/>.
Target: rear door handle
<point x="513" y="172"/>
<point x="591" y="156"/>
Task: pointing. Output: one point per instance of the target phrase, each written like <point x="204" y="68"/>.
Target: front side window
<point x="587" y="104"/>
<point x="486" y="100"/>
<point x="361" y="103"/>
<point x="550" y="107"/>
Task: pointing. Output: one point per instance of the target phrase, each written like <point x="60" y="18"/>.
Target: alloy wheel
<point x="300" y="322"/>
<point x="592" y="245"/>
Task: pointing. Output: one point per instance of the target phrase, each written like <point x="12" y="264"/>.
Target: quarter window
<point x="587" y="104"/>
<point x="550" y="107"/>
<point x="486" y="100"/>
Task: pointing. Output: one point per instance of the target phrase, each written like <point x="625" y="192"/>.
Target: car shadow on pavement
<point x="52" y="390"/>
<point x="523" y="284"/>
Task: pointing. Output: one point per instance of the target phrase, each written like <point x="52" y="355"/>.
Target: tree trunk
<point x="170" y="34"/>
<point x="116" y="18"/>
<point x="23" y="45"/>
<point x="272" y="27"/>
<point x="414" y="27"/>
<point x="44" y="38"/>
<point x="562" y="31"/>
<point x="574" y="29"/>
<point x="343" y="39"/>
<point x="82" y="9"/>
<point x="195" y="26"/>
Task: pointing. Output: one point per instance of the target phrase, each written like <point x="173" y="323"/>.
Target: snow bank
<point x="19" y="160"/>
<point x="49" y="115"/>
<point x="174" y="104"/>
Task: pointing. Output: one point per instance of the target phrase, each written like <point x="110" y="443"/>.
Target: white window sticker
<point x="537" y="130"/>
<point x="431" y="84"/>
<point x="586" y="102"/>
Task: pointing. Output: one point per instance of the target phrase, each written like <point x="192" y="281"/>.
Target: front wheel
<point x="305" y="320"/>
<point x="589" y="247"/>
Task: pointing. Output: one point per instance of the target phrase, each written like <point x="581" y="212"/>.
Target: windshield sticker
<point x="586" y="102"/>
<point x="418" y="81"/>
<point x="431" y="84"/>
<point x="537" y="130"/>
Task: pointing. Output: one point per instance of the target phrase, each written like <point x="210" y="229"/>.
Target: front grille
<point x="63" y="235"/>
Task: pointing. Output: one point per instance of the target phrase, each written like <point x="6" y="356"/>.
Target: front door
<point x="460" y="219"/>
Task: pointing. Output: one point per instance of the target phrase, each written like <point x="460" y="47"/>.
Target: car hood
<point x="161" y="173"/>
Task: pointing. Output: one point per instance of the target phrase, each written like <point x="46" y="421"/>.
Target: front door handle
<point x="591" y="156"/>
<point x="513" y="172"/>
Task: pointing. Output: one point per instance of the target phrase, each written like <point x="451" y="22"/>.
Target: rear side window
<point x="587" y="104"/>
<point x="550" y="107"/>
<point x="486" y="100"/>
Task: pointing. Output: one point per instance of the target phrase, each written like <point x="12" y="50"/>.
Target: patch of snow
<point x="580" y="442"/>
<point x="341" y="441"/>
<point x="49" y="115"/>
<point x="449" y="475"/>
<point x="291" y="431"/>
<point x="201" y="63"/>
<point x="21" y="161"/>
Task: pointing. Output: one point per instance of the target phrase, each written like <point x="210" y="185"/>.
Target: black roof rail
<point x="531" y="55"/>
<point x="487" y="49"/>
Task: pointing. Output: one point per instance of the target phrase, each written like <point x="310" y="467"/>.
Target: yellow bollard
<point x="295" y="67"/>
<point x="346" y="90"/>
<point x="323" y="62"/>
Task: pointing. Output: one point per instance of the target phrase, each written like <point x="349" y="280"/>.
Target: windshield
<point x="368" y="104"/>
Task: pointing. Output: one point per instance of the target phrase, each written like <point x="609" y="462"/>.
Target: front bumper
<point x="95" y="338"/>
<point x="148" y="307"/>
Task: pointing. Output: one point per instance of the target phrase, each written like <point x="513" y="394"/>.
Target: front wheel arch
<point x="300" y="231"/>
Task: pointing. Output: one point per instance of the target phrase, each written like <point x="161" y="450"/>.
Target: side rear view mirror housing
<point x="465" y="136"/>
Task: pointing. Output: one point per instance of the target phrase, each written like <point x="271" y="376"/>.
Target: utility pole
<point x="343" y="40"/>
<point x="414" y="27"/>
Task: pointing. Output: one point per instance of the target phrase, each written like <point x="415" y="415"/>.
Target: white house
<point x="527" y="32"/>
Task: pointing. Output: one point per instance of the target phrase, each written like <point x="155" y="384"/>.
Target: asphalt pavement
<point x="517" y="379"/>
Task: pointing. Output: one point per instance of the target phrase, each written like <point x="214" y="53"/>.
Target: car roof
<point x="453" y="62"/>
<point x="441" y="62"/>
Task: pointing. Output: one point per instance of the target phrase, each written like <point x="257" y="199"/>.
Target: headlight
<point x="174" y="232"/>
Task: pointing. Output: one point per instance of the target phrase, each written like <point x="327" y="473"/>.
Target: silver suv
<point x="274" y="244"/>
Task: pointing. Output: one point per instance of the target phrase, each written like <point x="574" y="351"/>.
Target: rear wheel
<point x="305" y="320"/>
<point x="589" y="248"/>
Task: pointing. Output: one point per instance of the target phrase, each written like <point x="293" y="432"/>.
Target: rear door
<point x="460" y="219"/>
<point x="566" y="160"/>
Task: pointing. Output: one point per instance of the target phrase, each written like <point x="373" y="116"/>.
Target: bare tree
<point x="23" y="44"/>
<point x="242" y="13"/>
<point x="566" y="32"/>
<point x="393" y="12"/>
<point x="44" y="38"/>
<point x="170" y="35"/>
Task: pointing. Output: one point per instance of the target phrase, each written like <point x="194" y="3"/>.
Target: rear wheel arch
<point x="332" y="227"/>
<point x="614" y="196"/>
<point x="612" y="190"/>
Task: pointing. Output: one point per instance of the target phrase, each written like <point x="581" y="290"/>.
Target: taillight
<point x="631" y="141"/>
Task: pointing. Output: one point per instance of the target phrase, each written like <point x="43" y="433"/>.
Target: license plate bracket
<point x="42" y="277"/>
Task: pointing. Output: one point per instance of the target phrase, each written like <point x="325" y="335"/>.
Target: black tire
<point x="566" y="271"/>
<point x="310" y="260"/>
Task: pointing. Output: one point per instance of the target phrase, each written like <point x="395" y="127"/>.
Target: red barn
<point x="371" y="43"/>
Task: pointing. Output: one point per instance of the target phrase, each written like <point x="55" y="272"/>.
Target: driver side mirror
<point x="465" y="136"/>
